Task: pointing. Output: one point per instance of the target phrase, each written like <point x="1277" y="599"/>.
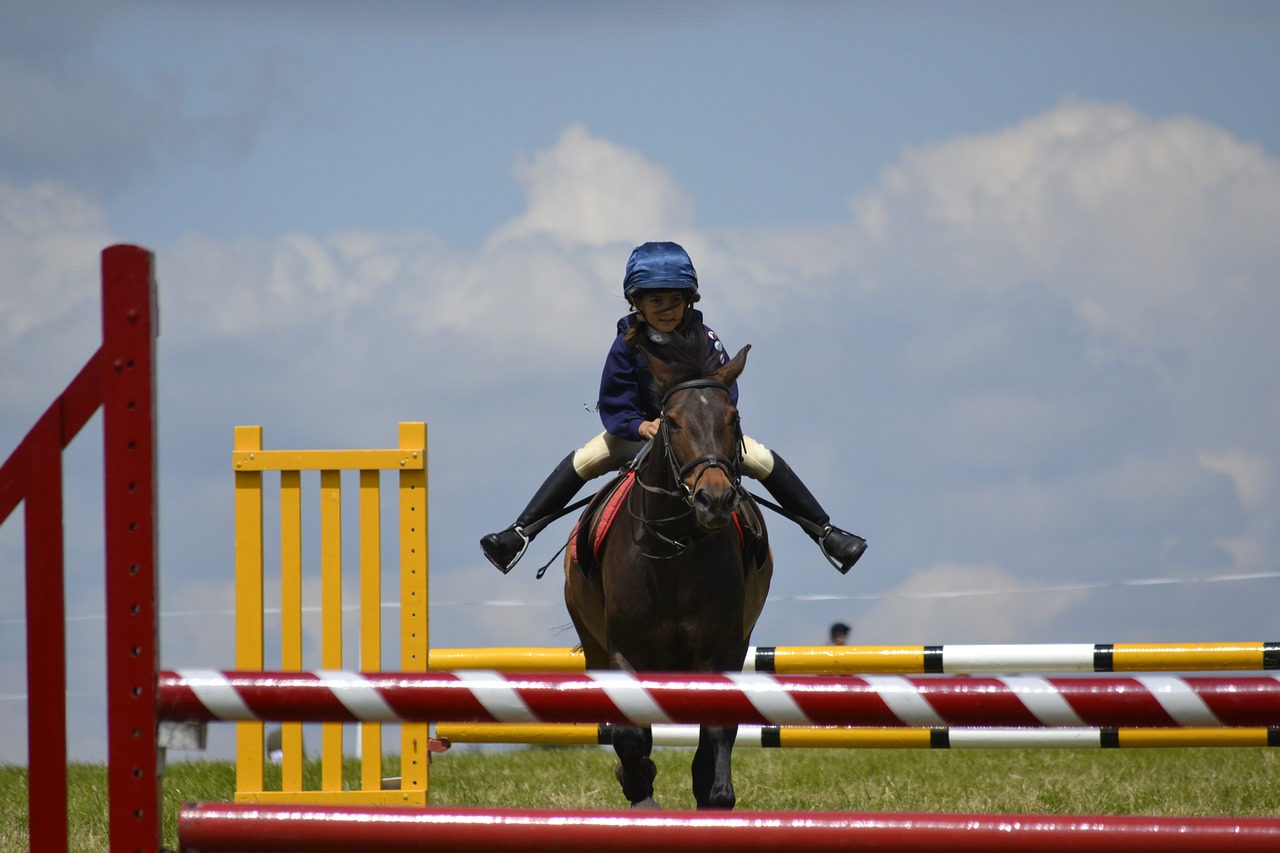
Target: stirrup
<point x="525" y="539"/>
<point x="822" y="546"/>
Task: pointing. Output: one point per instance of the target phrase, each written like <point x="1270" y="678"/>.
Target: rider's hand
<point x="648" y="429"/>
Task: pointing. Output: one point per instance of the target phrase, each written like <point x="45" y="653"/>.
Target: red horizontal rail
<point x="248" y="828"/>
<point x="722" y="699"/>
<point x="24" y="471"/>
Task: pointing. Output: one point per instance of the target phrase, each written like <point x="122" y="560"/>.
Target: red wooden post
<point x="119" y="377"/>
<point x="129" y="446"/>
<point x="46" y="637"/>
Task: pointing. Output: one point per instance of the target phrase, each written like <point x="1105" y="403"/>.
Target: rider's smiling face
<point x="662" y="309"/>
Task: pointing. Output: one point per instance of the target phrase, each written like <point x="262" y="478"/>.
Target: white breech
<point x="606" y="452"/>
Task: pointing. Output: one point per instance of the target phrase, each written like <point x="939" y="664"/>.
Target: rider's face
<point x="662" y="309"/>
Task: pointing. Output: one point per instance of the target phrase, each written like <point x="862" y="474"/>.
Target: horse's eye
<point x="671" y="422"/>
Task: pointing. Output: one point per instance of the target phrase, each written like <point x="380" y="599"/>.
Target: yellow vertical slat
<point x="331" y="617"/>
<point x="250" y="745"/>
<point x="414" y="626"/>
<point x="291" y="616"/>
<point x="370" y="618"/>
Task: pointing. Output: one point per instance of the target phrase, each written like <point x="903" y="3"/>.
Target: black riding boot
<point x="841" y="548"/>
<point x="505" y="548"/>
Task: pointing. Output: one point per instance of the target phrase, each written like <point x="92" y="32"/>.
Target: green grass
<point x="1150" y="782"/>
<point x="1228" y="782"/>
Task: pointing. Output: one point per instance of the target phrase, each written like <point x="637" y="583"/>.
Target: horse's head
<point x="702" y="435"/>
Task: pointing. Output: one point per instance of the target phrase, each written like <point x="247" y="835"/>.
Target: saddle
<point x="595" y="521"/>
<point x="588" y="535"/>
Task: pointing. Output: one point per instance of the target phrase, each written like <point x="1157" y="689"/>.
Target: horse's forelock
<point x="687" y="358"/>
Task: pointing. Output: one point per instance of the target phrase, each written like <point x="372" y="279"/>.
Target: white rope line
<point x="874" y="596"/>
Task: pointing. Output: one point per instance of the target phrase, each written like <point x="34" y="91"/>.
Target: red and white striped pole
<point x="723" y="699"/>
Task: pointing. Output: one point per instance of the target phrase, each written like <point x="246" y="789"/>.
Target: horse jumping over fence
<point x="678" y="580"/>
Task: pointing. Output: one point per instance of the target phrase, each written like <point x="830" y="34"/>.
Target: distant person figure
<point x="839" y="634"/>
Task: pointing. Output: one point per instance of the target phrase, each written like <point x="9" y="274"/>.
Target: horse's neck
<point x="653" y="467"/>
<point x="657" y="472"/>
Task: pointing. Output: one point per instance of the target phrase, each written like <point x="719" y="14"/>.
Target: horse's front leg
<point x="636" y="770"/>
<point x="712" y="767"/>
<point x="633" y="745"/>
<point x="712" y="762"/>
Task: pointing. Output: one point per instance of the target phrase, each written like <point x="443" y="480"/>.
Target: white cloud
<point x="556" y="268"/>
<point x="589" y="191"/>
<point x="50" y="241"/>
<point x="1075" y="306"/>
<point x="956" y="604"/>
<point x="1140" y="223"/>
<point x="1250" y="473"/>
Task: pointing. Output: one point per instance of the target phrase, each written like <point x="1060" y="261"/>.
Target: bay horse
<point x="680" y="577"/>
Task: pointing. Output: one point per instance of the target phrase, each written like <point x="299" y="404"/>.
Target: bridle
<point x="732" y="468"/>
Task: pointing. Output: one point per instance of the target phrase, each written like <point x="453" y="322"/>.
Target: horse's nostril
<point x="704" y="500"/>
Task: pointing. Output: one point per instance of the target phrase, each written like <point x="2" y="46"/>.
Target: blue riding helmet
<point x="660" y="266"/>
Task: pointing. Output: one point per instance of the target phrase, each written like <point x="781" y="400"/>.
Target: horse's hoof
<point x="648" y="804"/>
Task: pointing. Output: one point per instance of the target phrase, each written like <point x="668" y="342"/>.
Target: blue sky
<point x="1007" y="270"/>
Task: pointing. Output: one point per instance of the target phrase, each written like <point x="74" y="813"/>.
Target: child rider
<point x="661" y="286"/>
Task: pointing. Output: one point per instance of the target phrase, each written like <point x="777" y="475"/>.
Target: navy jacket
<point x="626" y="399"/>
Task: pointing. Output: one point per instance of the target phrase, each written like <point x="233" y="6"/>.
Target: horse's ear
<point x="661" y="371"/>
<point x="733" y="369"/>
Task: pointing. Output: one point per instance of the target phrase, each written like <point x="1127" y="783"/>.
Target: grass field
<point x="1228" y="782"/>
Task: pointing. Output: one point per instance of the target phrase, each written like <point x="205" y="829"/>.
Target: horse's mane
<point x="688" y="357"/>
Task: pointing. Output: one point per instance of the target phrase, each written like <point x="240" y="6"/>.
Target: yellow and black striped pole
<point x="948" y="659"/>
<point x="852" y="737"/>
